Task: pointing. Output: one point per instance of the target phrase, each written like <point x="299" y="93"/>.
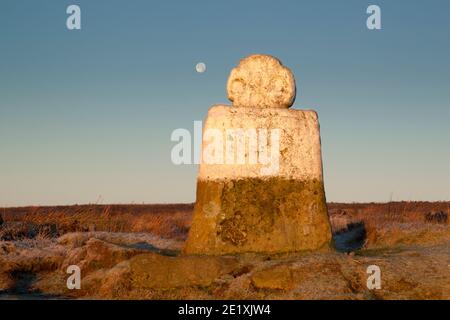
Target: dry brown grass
<point x="171" y="221"/>
<point x="392" y="223"/>
<point x="384" y="222"/>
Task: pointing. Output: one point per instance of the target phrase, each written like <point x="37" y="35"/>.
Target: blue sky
<point x="86" y="116"/>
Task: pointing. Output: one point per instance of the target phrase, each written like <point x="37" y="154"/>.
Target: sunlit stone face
<point x="261" y="81"/>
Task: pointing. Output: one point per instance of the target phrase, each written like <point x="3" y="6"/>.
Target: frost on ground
<point x="411" y="251"/>
<point x="44" y="256"/>
<point x="142" y="266"/>
<point x="144" y="240"/>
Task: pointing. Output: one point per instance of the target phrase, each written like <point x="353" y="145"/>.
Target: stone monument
<point x="260" y="184"/>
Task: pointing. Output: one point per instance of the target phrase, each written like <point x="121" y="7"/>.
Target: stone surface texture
<point x="261" y="81"/>
<point x="299" y="149"/>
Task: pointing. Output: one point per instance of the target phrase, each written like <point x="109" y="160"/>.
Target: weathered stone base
<point x="269" y="215"/>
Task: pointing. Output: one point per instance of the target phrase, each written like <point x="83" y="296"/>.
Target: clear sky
<point x="86" y="115"/>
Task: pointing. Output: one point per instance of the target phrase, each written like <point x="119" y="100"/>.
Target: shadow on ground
<point x="23" y="289"/>
<point x="350" y="239"/>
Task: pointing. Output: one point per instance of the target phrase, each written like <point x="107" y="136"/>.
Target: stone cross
<point x="260" y="184"/>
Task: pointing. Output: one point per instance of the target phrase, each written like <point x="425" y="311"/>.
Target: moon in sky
<point x="200" y="67"/>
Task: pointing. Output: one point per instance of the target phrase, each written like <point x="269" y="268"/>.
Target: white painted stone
<point x="299" y="149"/>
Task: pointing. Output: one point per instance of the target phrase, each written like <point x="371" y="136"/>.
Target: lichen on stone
<point x="260" y="215"/>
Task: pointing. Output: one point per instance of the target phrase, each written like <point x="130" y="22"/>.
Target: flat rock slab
<point x="153" y="271"/>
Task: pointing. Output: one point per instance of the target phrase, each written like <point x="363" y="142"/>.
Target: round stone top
<point x="261" y="81"/>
